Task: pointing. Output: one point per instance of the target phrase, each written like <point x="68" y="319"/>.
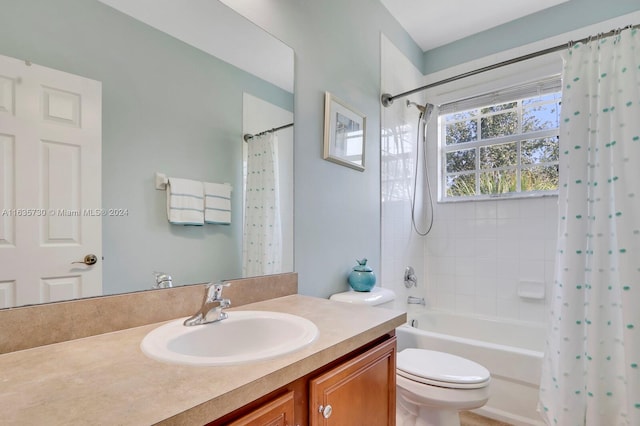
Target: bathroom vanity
<point x="106" y="379"/>
<point x="356" y="389"/>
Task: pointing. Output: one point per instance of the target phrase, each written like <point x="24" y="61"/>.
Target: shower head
<point x="428" y="110"/>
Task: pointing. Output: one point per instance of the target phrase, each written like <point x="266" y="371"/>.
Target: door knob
<point x="90" y="259"/>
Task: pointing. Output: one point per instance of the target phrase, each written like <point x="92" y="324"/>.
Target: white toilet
<point x="432" y="387"/>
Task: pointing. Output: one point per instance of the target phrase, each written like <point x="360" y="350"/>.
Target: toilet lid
<point x="441" y="369"/>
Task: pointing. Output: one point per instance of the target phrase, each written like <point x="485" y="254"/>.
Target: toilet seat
<point x="441" y="369"/>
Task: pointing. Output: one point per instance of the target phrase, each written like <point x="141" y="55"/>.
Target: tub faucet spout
<point x="212" y="306"/>
<point x="412" y="300"/>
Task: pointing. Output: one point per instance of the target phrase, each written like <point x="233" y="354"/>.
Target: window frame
<point x="513" y="94"/>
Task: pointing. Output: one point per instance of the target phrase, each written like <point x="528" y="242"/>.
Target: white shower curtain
<point x="262" y="236"/>
<point x="591" y="369"/>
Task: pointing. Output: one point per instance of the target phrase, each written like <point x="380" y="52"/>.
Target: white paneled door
<point x="50" y="184"/>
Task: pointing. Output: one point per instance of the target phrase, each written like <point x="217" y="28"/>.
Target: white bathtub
<point x="512" y="351"/>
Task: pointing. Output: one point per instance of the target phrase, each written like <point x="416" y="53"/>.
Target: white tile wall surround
<point x="401" y="246"/>
<point x="477" y="252"/>
<point x="495" y="244"/>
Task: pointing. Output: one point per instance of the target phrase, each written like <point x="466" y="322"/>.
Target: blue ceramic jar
<point x="362" y="277"/>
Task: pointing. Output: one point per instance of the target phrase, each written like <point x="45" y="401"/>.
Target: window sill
<point x="498" y="197"/>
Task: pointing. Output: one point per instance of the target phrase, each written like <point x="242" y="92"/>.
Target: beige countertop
<point x="106" y="379"/>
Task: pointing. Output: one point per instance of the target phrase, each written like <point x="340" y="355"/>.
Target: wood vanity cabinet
<point x="356" y="390"/>
<point x="278" y="412"/>
<point x="361" y="391"/>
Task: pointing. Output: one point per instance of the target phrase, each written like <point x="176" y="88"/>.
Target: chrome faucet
<point x="162" y="280"/>
<point x="212" y="306"/>
<point x="412" y="300"/>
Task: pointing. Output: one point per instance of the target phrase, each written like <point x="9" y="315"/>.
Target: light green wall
<point x="167" y="107"/>
<point x="547" y="23"/>
<point x="337" y="209"/>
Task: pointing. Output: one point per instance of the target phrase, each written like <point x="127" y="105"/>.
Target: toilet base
<point x="408" y="414"/>
<point x="418" y="404"/>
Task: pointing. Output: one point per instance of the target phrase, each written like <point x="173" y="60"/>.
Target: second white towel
<point x="185" y="202"/>
<point x="217" y="200"/>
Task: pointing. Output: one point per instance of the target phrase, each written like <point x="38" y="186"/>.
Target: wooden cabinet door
<point x="278" y="412"/>
<point x="360" y="392"/>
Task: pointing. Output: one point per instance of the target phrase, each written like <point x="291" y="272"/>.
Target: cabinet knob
<point x="326" y="411"/>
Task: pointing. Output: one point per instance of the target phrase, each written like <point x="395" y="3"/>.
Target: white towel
<point x="217" y="203"/>
<point x="185" y="202"/>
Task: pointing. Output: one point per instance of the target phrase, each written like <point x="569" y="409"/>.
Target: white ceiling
<point x="434" y="23"/>
<point x="214" y="27"/>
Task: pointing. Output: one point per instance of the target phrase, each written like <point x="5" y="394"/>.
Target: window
<point x="501" y="144"/>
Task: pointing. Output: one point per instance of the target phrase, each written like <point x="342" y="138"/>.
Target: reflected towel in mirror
<point x="217" y="203"/>
<point x="185" y="202"/>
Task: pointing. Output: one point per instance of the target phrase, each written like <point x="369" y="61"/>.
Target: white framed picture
<point x="344" y="133"/>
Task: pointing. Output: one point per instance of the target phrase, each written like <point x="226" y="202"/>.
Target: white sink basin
<point x="244" y="336"/>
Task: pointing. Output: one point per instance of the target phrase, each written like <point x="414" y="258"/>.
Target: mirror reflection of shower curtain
<point x="262" y="236"/>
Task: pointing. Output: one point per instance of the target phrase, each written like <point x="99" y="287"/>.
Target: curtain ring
<point x="589" y="42"/>
<point x="616" y="33"/>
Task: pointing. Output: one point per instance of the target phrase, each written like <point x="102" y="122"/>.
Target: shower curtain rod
<point x="248" y="136"/>
<point x="387" y="99"/>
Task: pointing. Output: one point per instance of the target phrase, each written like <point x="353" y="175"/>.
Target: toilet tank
<point x="378" y="296"/>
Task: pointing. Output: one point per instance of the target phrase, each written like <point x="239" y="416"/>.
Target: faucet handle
<point x="410" y="279"/>
<point x="214" y="290"/>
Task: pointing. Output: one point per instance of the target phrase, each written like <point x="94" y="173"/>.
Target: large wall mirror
<point x="164" y="87"/>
